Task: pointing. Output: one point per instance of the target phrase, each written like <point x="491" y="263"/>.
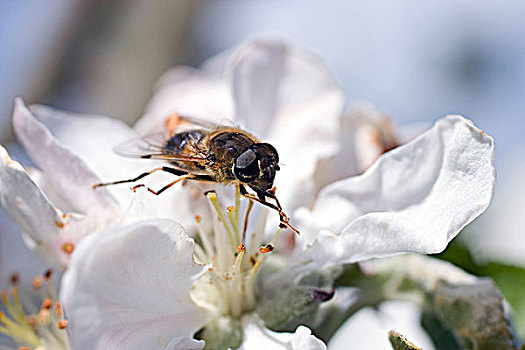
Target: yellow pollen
<point x="60" y="224"/>
<point x="68" y="247"/>
<point x="230" y="209"/>
<point x="198" y="219"/>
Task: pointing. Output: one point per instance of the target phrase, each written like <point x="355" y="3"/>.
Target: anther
<point x="48" y="274"/>
<point x="46" y="305"/>
<point x="198" y="219"/>
<point x="59" y="224"/>
<point x="230" y="209"/>
<point x="14" y="278"/>
<point x="266" y="249"/>
<point x="241" y="248"/>
<point x="68" y="247"/>
<point x="62" y="324"/>
<point x="211" y="194"/>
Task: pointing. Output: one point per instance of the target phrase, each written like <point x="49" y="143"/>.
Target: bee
<point x="205" y="151"/>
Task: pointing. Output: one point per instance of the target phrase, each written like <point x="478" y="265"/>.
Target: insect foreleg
<point x="163" y="168"/>
<point x="187" y="176"/>
<point x="283" y="217"/>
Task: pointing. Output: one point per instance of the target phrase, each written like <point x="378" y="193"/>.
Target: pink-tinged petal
<point x="128" y="288"/>
<point x="72" y="177"/>
<point x="49" y="231"/>
<point x="185" y="343"/>
<point x="415" y="198"/>
<point x="256" y="336"/>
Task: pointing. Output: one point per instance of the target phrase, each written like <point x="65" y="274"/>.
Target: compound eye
<point x="246" y="167"/>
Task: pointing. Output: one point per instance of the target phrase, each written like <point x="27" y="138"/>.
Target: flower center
<point x="42" y="328"/>
<point x="234" y="258"/>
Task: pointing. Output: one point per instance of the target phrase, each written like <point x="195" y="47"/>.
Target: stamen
<point x="46" y="305"/>
<point x="230" y="211"/>
<point x="14" y="278"/>
<point x="237" y="202"/>
<point x="241" y="248"/>
<point x="48" y="274"/>
<point x="266" y="249"/>
<point x="68" y="247"/>
<point x="62" y="324"/>
<point x="212" y="196"/>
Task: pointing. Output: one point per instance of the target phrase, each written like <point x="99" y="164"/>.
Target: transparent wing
<point x="153" y="147"/>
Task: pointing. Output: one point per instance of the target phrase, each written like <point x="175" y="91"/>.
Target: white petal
<point x="368" y="328"/>
<point x="187" y="91"/>
<point x="128" y="288"/>
<point x="47" y="226"/>
<point x="72" y="178"/>
<point x="185" y="343"/>
<point x="257" y="336"/>
<point x="14" y="255"/>
<point x="415" y="198"/>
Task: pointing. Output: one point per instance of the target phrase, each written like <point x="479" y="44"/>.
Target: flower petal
<point x="401" y="316"/>
<point x="257" y="336"/>
<point x="47" y="227"/>
<point x="185" y="343"/>
<point x="72" y="177"/>
<point x="415" y="198"/>
<point x="188" y="91"/>
<point x="128" y="288"/>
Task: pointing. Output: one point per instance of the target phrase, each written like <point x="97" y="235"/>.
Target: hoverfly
<point x="205" y="151"/>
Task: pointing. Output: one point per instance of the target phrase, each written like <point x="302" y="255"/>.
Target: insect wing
<point x="141" y="146"/>
<point x="152" y="147"/>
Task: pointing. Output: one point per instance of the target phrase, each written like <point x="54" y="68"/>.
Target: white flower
<point x="137" y="286"/>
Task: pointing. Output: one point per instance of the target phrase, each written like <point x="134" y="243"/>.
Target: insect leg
<point x="163" y="168"/>
<point x="187" y="176"/>
<point x="283" y="217"/>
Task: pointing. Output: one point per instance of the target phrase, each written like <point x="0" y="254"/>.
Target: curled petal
<point x="415" y="198"/>
<point x="128" y="288"/>
<point x="47" y="227"/>
<point x="257" y="336"/>
<point x="72" y="177"/>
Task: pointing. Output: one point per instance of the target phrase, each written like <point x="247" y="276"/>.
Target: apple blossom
<point x="136" y="281"/>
